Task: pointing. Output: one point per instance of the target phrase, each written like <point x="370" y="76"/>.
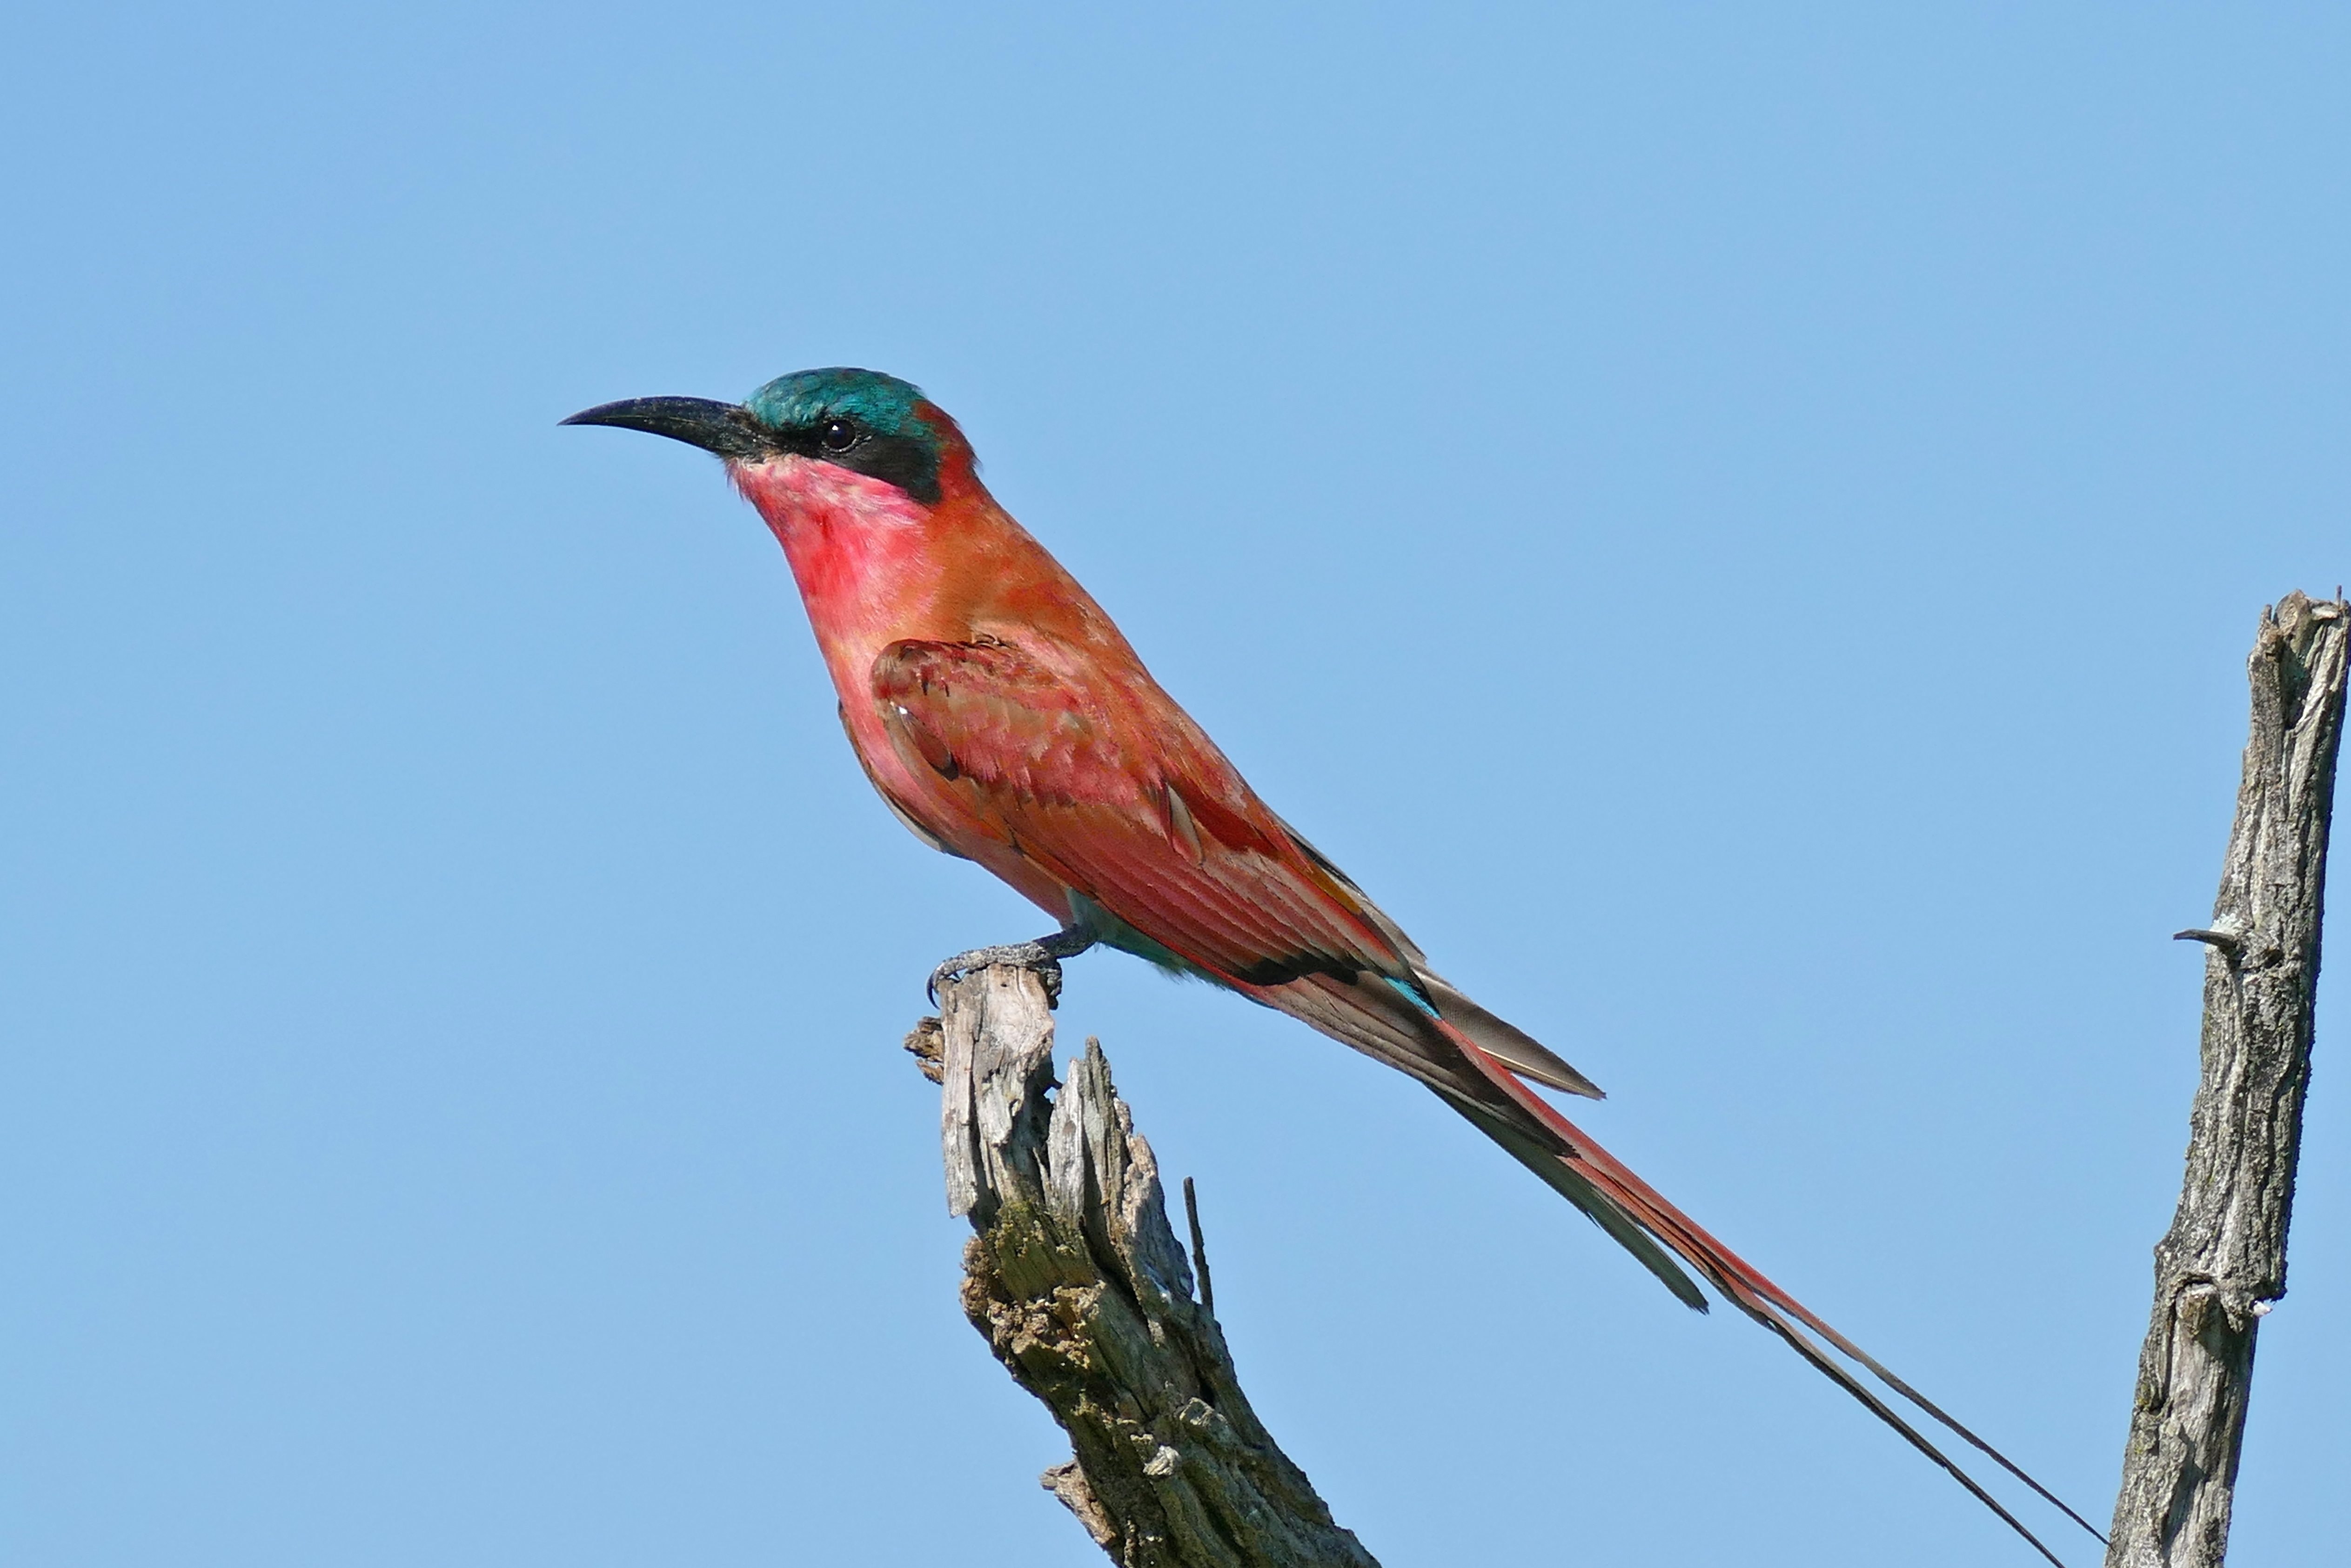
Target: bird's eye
<point x="838" y="435"/>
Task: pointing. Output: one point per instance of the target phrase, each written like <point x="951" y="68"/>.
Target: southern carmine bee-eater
<point x="1003" y="718"/>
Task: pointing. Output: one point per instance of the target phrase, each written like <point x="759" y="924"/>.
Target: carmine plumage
<point x="1005" y="719"/>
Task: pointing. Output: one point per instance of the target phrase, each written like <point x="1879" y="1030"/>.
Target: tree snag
<point x="1078" y="1285"/>
<point x="2223" y="1263"/>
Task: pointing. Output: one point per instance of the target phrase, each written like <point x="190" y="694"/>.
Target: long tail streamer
<point x="1742" y="1284"/>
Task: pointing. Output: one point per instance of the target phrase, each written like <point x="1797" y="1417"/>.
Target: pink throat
<point x="857" y="548"/>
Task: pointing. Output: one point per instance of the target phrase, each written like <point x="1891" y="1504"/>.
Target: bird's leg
<point x="1042" y="958"/>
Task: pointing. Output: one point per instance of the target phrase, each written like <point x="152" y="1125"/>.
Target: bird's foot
<point x="1042" y="958"/>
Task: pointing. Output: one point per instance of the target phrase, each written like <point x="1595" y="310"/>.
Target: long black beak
<point x="726" y="429"/>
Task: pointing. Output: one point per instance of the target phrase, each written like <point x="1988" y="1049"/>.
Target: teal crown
<point x="884" y="404"/>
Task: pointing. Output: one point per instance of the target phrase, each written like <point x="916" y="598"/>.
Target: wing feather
<point x="1112" y="790"/>
<point x="1120" y="796"/>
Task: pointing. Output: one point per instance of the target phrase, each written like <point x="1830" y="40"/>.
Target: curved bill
<point x="727" y="429"/>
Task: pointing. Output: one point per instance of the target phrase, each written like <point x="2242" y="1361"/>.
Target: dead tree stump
<point x="1082" y="1289"/>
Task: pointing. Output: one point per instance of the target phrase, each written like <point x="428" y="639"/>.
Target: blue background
<point x="1739" y="525"/>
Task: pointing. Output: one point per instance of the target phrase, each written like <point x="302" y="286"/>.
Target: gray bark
<point x="1081" y="1288"/>
<point x="2223" y="1263"/>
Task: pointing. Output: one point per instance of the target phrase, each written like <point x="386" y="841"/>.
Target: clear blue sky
<point x="1738" y="524"/>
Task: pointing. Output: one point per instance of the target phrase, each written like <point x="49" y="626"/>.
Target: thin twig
<point x="1199" y="1250"/>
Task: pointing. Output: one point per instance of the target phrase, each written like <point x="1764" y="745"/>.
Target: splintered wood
<point x="1081" y="1288"/>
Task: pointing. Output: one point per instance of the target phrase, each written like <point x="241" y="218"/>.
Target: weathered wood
<point x="1081" y="1288"/>
<point x="2223" y="1263"/>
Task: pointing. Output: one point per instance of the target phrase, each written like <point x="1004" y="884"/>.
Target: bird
<point x="1003" y="718"/>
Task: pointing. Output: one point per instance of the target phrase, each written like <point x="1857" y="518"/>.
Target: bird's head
<point x="858" y="421"/>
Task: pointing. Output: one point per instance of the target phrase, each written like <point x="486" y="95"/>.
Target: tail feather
<point x="1562" y="1178"/>
<point x="1885" y="1413"/>
<point x="1879" y="1370"/>
<point x="1600" y="1181"/>
<point x="1518" y="1050"/>
<point x="1477" y="1071"/>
